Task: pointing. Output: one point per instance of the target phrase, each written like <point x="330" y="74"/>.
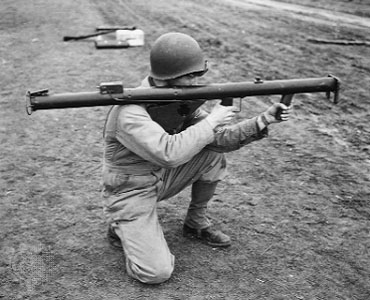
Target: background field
<point x="296" y="204"/>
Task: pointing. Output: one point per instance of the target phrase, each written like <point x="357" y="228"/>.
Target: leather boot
<point x="197" y="224"/>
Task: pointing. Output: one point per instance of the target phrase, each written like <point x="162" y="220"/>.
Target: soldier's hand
<point x="271" y="113"/>
<point x="221" y="115"/>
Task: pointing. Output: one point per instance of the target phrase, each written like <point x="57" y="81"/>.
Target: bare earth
<point x="295" y="204"/>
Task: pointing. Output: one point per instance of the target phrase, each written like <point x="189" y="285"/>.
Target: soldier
<point x="144" y="164"/>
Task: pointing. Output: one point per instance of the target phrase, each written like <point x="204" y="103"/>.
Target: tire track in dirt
<point x="310" y="14"/>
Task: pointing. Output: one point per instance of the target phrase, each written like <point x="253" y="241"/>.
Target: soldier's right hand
<point x="221" y="115"/>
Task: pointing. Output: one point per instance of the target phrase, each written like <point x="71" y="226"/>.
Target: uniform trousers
<point x="131" y="205"/>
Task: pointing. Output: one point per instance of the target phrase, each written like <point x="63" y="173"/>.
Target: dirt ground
<point x="295" y="204"/>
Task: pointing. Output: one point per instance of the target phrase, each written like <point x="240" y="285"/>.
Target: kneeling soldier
<point x="144" y="164"/>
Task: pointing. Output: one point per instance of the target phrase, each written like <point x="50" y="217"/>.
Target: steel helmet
<point x="176" y="54"/>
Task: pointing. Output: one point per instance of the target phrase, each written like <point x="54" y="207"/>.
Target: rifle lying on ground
<point x="170" y="106"/>
<point x="99" y="31"/>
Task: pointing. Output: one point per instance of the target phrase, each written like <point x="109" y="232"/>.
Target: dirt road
<point x="295" y="204"/>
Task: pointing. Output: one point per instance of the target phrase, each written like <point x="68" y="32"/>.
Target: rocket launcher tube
<point x="115" y="94"/>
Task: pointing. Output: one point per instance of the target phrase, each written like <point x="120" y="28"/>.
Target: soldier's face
<point x="187" y="80"/>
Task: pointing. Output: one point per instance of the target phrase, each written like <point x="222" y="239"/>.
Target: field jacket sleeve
<point x="147" y="139"/>
<point x="232" y="137"/>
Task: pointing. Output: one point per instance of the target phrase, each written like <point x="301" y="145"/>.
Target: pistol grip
<point x="227" y="101"/>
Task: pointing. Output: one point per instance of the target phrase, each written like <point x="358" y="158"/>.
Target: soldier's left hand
<point x="272" y="111"/>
